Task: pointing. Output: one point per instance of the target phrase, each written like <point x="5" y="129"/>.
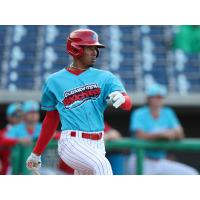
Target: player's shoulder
<point x="19" y="126"/>
<point x="16" y="128"/>
<point x="101" y="72"/>
<point x="56" y="75"/>
<point x="167" y="110"/>
<point x="141" y="111"/>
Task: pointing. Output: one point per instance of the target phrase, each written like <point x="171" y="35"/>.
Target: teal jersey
<point x="20" y="131"/>
<point x="141" y="119"/>
<point x="80" y="99"/>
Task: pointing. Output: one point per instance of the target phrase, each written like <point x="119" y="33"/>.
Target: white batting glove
<point x="33" y="162"/>
<point x="117" y="98"/>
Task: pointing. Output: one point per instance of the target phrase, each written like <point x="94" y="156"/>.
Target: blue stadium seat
<point x="134" y="53"/>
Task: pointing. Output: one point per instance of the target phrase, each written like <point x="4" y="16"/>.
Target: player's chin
<point x="92" y="63"/>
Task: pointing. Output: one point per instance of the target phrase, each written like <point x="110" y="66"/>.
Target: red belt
<point x="91" y="136"/>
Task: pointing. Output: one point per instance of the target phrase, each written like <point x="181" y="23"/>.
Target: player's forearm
<point x="178" y="133"/>
<point x="181" y="134"/>
<point x="146" y="136"/>
<point x="166" y="135"/>
<point x="127" y="104"/>
<point x="49" y="126"/>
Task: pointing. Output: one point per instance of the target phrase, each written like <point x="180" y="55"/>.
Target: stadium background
<point x="138" y="55"/>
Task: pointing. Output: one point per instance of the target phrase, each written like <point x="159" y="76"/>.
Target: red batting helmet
<point x="79" y="38"/>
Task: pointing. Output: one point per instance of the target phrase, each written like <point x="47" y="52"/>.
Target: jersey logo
<point x="78" y="96"/>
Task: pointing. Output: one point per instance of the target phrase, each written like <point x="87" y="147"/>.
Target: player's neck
<point x="76" y="70"/>
<point x="155" y="112"/>
<point x="30" y="126"/>
<point x="78" y="65"/>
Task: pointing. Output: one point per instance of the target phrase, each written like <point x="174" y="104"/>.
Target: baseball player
<point x="77" y="96"/>
<point x="152" y="122"/>
<point x="14" y="116"/>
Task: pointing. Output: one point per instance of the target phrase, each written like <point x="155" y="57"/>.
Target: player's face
<point x="15" y="118"/>
<point x="89" y="57"/>
<point x="156" y="101"/>
<point x="31" y="117"/>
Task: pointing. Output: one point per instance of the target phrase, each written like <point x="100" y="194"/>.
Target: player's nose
<point x="94" y="51"/>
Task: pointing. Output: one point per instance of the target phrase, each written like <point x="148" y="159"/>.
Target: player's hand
<point x="25" y="141"/>
<point x="117" y="98"/>
<point x="170" y="135"/>
<point x="112" y="135"/>
<point x="33" y="162"/>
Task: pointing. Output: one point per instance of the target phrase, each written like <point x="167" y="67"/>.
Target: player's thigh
<point x="96" y="161"/>
<point x="71" y="159"/>
<point x="176" y="168"/>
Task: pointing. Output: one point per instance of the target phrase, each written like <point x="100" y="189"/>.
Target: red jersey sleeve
<point x="4" y="141"/>
<point x="49" y="127"/>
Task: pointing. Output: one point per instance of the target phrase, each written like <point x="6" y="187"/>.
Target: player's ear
<point x="97" y="50"/>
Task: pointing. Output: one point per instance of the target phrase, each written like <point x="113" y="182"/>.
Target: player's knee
<point x="103" y="167"/>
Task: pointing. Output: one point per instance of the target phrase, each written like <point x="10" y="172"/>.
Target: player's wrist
<point x="35" y="155"/>
<point x="117" y="99"/>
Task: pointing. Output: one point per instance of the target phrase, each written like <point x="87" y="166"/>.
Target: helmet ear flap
<point x="74" y="50"/>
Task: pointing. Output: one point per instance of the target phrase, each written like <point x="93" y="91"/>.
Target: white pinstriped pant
<point x="86" y="156"/>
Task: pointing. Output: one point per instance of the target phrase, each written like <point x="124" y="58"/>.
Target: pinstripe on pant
<point x="84" y="155"/>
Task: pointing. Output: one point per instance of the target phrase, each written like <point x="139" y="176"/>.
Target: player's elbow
<point x="127" y="105"/>
<point x="140" y="135"/>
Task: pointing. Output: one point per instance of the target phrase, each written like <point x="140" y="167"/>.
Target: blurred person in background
<point x="116" y="157"/>
<point x="111" y="133"/>
<point x="30" y="127"/>
<point x="157" y="122"/>
<point x="28" y="130"/>
<point x="14" y="117"/>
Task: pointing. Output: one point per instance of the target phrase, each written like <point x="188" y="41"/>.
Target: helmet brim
<point x="96" y="44"/>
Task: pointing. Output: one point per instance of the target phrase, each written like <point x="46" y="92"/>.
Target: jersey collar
<point x="74" y="71"/>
